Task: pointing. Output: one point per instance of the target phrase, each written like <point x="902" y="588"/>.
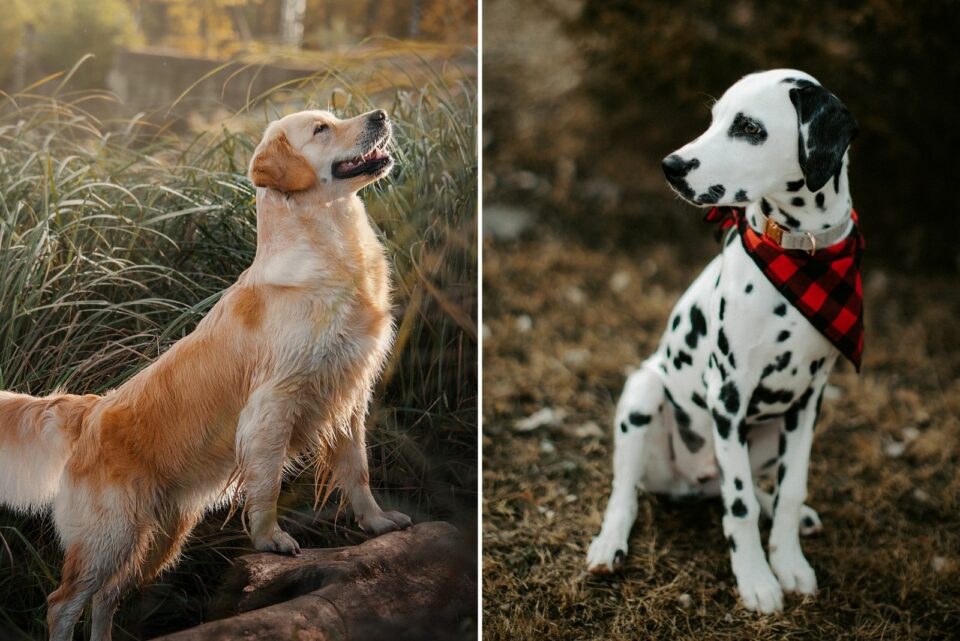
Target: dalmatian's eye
<point x="751" y="128"/>
<point x="319" y="128"/>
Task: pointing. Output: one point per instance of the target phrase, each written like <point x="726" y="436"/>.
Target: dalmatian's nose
<point x="675" y="167"/>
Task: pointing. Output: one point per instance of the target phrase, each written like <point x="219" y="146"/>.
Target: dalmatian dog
<point x="733" y="391"/>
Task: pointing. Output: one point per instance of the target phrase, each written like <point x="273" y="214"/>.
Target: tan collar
<point x="808" y="241"/>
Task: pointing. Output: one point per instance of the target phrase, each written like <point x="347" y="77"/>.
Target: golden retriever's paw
<point x="279" y="542"/>
<point x="384" y="522"/>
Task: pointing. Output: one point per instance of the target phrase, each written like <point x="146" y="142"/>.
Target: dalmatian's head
<point x="769" y="131"/>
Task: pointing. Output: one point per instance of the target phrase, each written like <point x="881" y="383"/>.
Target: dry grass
<point x="888" y="561"/>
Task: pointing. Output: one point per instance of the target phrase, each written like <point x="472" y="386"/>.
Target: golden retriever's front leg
<point x="263" y="436"/>
<point x="353" y="476"/>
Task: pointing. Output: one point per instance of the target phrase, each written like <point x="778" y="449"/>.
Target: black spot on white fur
<point x="722" y="423"/>
<point x="713" y="194"/>
<point x="795" y="185"/>
<point x="698" y="327"/>
<point x="816" y="365"/>
<point x="783" y="361"/>
<point x="722" y="342"/>
<point x="782" y="336"/>
<point x="741" y="196"/>
<point x="738" y="509"/>
<point x="730" y="397"/>
<point x="638" y="419"/>
<point x="819" y="200"/>
<point x="790" y="221"/>
<point x="780" y="310"/>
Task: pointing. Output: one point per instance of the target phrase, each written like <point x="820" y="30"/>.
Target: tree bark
<point x="416" y="584"/>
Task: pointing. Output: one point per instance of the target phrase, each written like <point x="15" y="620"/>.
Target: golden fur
<point x="283" y="364"/>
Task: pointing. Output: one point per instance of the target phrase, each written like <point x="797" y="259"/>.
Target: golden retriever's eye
<point x="320" y="128"/>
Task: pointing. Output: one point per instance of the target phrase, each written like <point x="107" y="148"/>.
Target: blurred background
<point x="586" y="250"/>
<point x="581" y="109"/>
<point x="126" y="127"/>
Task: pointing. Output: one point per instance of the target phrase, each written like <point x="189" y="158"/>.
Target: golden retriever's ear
<point x="277" y="165"/>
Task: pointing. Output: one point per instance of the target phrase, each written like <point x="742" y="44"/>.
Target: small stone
<point x="728" y="618"/>
<point x="910" y="434"/>
<point x="685" y="601"/>
<point x="619" y="281"/>
<point x="547" y="447"/>
<point x="505" y="222"/>
<point x="894" y="449"/>
<point x="523" y="323"/>
<point x="920" y="495"/>
<point x="576" y="296"/>
<point x="540" y="418"/>
<point x="576" y="356"/>
<point x="570" y="498"/>
<point x="526" y="180"/>
<point x="939" y="563"/>
<point x="588" y="430"/>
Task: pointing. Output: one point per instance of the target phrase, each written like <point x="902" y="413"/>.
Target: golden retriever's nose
<point x="378" y="116"/>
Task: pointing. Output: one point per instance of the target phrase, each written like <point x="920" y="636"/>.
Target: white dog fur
<point x="708" y="436"/>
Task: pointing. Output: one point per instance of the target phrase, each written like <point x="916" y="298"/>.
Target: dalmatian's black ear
<point x="826" y="129"/>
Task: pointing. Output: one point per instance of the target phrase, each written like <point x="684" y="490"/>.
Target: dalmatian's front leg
<point x="786" y="556"/>
<point x="758" y="587"/>
<point x="637" y="412"/>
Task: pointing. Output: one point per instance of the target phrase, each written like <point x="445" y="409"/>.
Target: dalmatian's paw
<point x="605" y="555"/>
<point x="760" y="592"/>
<point x="794" y="572"/>
<point x="810" y="523"/>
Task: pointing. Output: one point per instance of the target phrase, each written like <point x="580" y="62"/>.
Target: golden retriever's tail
<point x="36" y="438"/>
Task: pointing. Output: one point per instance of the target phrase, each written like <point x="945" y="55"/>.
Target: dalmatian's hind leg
<point x="641" y="460"/>
<point x="764" y="459"/>
<point x="810" y="522"/>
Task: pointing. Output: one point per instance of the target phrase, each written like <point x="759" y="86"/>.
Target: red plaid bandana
<point x="825" y="287"/>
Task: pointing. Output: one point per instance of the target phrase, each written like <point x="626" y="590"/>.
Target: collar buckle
<point x="773" y="231"/>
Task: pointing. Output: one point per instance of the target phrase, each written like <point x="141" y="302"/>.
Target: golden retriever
<point x="283" y="364"/>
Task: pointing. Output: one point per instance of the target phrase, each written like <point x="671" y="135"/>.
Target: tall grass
<point x="116" y="237"/>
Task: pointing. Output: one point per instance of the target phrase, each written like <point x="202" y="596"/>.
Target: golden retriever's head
<point x="316" y="149"/>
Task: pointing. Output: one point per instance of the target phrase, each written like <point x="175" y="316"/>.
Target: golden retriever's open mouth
<point x="370" y="163"/>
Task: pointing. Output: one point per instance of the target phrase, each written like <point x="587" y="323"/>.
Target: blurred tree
<point x="11" y="37"/>
<point x="63" y="31"/>
<point x="291" y="22"/>
<point x="202" y="27"/>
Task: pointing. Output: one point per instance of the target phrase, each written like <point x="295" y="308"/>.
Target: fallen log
<point x="416" y="584"/>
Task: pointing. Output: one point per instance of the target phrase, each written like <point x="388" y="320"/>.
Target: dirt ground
<point x="564" y="322"/>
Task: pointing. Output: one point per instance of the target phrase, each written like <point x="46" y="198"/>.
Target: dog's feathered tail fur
<point x="37" y="436"/>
